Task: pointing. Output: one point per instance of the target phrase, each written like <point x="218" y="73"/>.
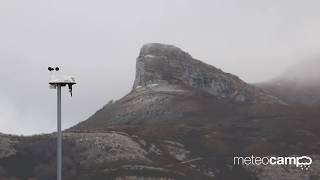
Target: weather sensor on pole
<point x="57" y="82"/>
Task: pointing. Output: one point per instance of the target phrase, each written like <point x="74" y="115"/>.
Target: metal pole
<point x="59" y="135"/>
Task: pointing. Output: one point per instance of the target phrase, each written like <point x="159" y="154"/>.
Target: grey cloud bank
<point x="98" y="42"/>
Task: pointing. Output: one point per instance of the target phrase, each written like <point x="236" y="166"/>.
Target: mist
<point x="305" y="73"/>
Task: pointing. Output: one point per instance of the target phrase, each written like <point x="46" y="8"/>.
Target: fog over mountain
<point x="300" y="84"/>
<point x="97" y="41"/>
<point x="305" y="73"/>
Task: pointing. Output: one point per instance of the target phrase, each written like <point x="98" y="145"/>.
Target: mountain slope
<point x="299" y="85"/>
<point x="171" y="86"/>
<point x="183" y="120"/>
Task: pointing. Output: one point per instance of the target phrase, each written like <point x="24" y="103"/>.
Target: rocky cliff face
<point x="167" y="64"/>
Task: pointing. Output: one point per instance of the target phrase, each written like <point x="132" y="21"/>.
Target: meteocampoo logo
<point x="302" y="162"/>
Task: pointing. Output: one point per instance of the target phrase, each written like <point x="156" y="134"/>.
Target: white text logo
<point x="303" y="162"/>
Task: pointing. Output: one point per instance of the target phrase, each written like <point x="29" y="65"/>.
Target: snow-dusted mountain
<point x="183" y="120"/>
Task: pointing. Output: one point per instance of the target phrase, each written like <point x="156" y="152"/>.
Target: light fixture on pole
<point x="57" y="82"/>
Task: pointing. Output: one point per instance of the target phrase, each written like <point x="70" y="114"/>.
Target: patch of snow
<point x="62" y="79"/>
<point x="153" y="85"/>
<point x="154" y="149"/>
<point x="174" y="143"/>
<point x="167" y="88"/>
<point x="150" y="56"/>
<point x="177" y="150"/>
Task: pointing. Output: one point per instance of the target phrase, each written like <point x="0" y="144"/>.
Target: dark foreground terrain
<point x="184" y="120"/>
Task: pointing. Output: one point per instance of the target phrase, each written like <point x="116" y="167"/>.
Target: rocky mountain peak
<point x="158" y="49"/>
<point x="166" y="64"/>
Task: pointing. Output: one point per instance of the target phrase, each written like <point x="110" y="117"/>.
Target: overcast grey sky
<point x="98" y="41"/>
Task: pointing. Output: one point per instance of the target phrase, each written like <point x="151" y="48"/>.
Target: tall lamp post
<point x="56" y="83"/>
